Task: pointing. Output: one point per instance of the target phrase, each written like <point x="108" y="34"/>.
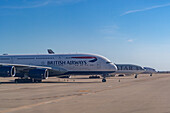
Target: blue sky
<point x="125" y="31"/>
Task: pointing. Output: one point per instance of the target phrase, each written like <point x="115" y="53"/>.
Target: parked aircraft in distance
<point x="34" y="68"/>
<point x="128" y="69"/>
<point x="149" y="70"/>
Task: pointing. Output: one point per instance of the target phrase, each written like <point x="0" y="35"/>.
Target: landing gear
<point x="37" y="80"/>
<point x="150" y="75"/>
<point x="103" y="80"/>
<point x="136" y="76"/>
<point x="28" y="80"/>
<point x="23" y="80"/>
<point x="104" y="77"/>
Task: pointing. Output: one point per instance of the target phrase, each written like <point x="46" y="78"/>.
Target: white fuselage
<point x="128" y="69"/>
<point x="149" y="70"/>
<point x="66" y="63"/>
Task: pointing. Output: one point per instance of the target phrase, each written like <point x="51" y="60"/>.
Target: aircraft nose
<point x="113" y="67"/>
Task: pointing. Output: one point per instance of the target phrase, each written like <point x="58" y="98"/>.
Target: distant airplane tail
<point x="50" y="51"/>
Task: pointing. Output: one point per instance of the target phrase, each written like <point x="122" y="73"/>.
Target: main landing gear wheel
<point x="103" y="80"/>
<point x="28" y="80"/>
<point x="23" y="81"/>
<point x="36" y="80"/>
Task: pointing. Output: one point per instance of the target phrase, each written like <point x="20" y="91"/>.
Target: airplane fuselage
<point x="64" y="63"/>
<point x="128" y="69"/>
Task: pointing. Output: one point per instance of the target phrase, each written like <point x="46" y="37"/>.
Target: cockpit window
<point x="108" y="62"/>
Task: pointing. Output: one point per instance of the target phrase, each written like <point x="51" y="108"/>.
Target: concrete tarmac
<point x="81" y="95"/>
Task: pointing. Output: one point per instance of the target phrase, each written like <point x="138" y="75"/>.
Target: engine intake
<point x="38" y="73"/>
<point x="7" y="71"/>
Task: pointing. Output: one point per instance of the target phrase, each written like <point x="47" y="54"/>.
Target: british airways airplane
<point x="34" y="68"/>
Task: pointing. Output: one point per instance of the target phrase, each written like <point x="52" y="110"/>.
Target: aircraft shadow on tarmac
<point x="48" y="82"/>
<point x="84" y="78"/>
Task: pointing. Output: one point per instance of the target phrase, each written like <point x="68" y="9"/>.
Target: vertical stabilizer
<point x="50" y="51"/>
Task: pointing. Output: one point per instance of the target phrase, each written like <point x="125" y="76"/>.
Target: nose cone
<point x="114" y="67"/>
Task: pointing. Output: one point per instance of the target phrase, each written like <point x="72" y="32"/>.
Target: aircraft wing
<point x="22" y="68"/>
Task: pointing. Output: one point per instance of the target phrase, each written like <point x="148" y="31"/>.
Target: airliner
<point x="149" y="70"/>
<point x="128" y="69"/>
<point x="35" y="68"/>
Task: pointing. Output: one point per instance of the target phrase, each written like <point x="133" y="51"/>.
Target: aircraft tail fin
<point x="50" y="51"/>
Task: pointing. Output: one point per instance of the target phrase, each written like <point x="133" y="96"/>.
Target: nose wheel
<point x="104" y="77"/>
<point x="103" y="80"/>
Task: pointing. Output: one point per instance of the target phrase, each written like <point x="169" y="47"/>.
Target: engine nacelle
<point x="7" y="71"/>
<point x="38" y="73"/>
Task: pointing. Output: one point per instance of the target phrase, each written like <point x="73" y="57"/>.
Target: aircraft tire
<point x="38" y="81"/>
<point x="24" y="81"/>
<point x="104" y="80"/>
<point x="16" y="80"/>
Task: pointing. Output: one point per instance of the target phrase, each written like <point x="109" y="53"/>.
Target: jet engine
<point x="38" y="73"/>
<point x="7" y="71"/>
